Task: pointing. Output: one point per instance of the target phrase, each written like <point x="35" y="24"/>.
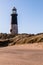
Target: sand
<point x="27" y="54"/>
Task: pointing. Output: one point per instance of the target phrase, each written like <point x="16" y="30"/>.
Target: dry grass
<point x="8" y="39"/>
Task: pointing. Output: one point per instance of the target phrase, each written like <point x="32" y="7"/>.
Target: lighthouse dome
<point x="14" y="9"/>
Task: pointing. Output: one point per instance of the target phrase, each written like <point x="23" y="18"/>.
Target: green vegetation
<point x="8" y="39"/>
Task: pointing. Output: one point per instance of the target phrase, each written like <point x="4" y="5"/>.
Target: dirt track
<point x="21" y="55"/>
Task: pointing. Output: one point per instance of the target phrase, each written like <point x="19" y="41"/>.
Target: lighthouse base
<point x="14" y="29"/>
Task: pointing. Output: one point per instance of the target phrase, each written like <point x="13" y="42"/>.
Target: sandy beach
<point x="27" y="54"/>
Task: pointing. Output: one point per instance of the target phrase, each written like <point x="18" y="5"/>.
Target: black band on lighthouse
<point x="14" y="19"/>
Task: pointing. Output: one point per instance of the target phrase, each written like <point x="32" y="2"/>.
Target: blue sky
<point x="30" y="15"/>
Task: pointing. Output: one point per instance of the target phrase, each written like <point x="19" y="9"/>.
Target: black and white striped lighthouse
<point x="14" y="24"/>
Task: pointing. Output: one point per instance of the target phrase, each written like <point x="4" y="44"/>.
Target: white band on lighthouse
<point x="14" y="28"/>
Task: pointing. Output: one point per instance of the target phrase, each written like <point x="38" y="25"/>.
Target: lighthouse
<point x="14" y="24"/>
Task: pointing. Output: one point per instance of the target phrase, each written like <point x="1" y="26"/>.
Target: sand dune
<point x="21" y="55"/>
<point x="9" y="39"/>
<point x="21" y="49"/>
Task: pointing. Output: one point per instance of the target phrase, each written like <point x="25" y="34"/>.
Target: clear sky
<point x="30" y="15"/>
